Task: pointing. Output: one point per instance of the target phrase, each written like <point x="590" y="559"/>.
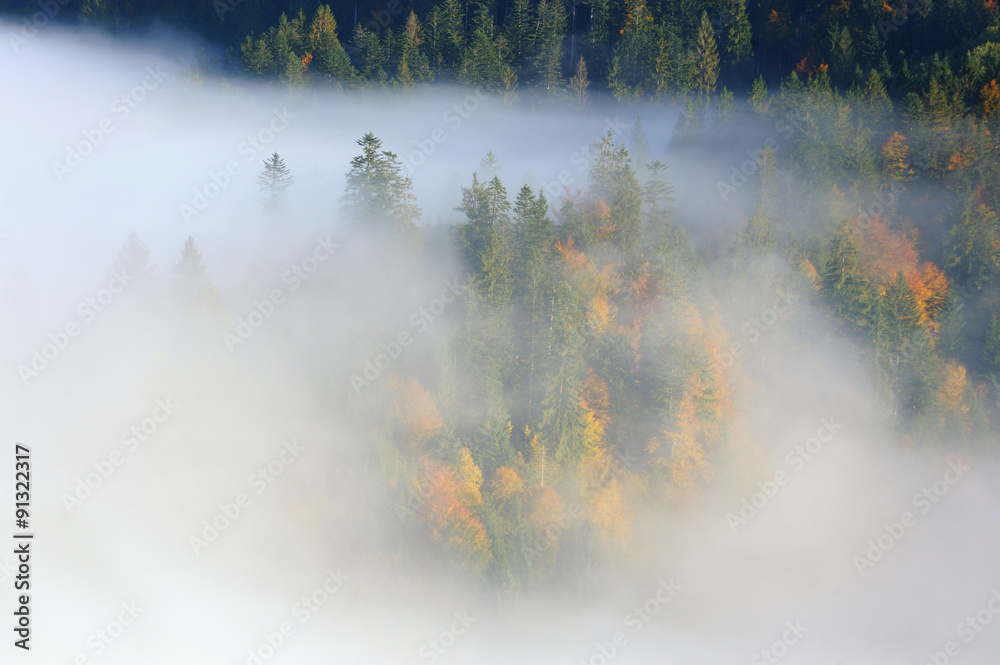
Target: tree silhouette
<point x="274" y="180"/>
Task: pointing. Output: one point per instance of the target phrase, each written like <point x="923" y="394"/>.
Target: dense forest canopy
<point x="634" y="49"/>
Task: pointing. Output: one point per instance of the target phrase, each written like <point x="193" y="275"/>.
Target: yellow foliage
<point x="505" y="484"/>
<point x="895" y="153"/>
<point x="416" y="410"/>
<point x="607" y="511"/>
<point x="599" y="314"/>
<point x="990" y="99"/>
<point x="469" y="479"/>
<point x="952" y="392"/>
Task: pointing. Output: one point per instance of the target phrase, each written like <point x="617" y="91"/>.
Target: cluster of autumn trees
<point x="578" y="377"/>
<point x="576" y="380"/>
<point x="582" y="376"/>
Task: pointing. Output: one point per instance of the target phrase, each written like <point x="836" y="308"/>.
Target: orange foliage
<point x="306" y="60"/>
<point x="883" y="252"/>
<point x="449" y="519"/>
<point x="930" y="286"/>
<point x="686" y="457"/>
<point x="596" y="397"/>
<point x="605" y="503"/>
<point x="599" y="314"/>
<point x="469" y="479"/>
<point x="989" y="97"/>
<point x="547" y="505"/>
<point x="505" y="484"/>
<point x="810" y="272"/>
<point x="953" y="384"/>
<point x="584" y="274"/>
<point x="417" y="411"/>
<point x="895" y="153"/>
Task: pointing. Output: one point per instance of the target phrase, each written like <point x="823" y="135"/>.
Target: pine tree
<point x="483" y="65"/>
<point x="841" y="53"/>
<point x="371" y="57"/>
<point x="377" y="192"/>
<point x="613" y="181"/>
<point x="133" y="259"/>
<point x="672" y="64"/>
<point x="991" y="348"/>
<point x="286" y="41"/>
<point x="517" y="31"/>
<point x="579" y="83"/>
<point x="274" y="180"/>
<point x="760" y="100"/>
<point x="330" y="59"/>
<point x="597" y="35"/>
<point x="739" y="46"/>
<point x="534" y="268"/>
<point x="631" y="71"/>
<point x="973" y="251"/>
<point x="706" y="58"/>
<point x="846" y="290"/>
<point x="563" y="426"/>
<point x="410" y="64"/>
<point x="256" y="57"/>
<point x="486" y="236"/>
<point x="189" y="284"/>
<point x="450" y="41"/>
<point x="667" y="247"/>
<point x="547" y="42"/>
<point x="902" y="310"/>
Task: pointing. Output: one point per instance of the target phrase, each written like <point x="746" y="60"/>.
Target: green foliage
<point x="377" y="193"/>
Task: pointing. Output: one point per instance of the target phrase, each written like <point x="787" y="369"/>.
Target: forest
<point x="591" y="364"/>
<point x="595" y="358"/>
<point x="551" y="50"/>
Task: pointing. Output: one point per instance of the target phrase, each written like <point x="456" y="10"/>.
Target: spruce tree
<point x="846" y="290"/>
<point x="328" y="56"/>
<point x="274" y="180"/>
<point x="377" y="192"/>
<point x="189" y="284"/>
<point x="579" y="83"/>
<point x="991" y="348"/>
<point x="706" y="58"/>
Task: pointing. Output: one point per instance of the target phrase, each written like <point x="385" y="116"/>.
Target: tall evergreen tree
<point x="846" y="290"/>
<point x="328" y="56"/>
<point x="274" y="180"/>
<point x="377" y="191"/>
<point x="547" y="42"/>
<point x="706" y="58"/>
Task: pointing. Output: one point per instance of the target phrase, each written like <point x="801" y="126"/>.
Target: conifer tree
<point x="328" y="56"/>
<point x="377" y="191"/>
<point x="580" y="82"/>
<point x="991" y="348"/>
<point x="844" y="287"/>
<point x="189" y="284"/>
<point x="706" y="58"/>
<point x="274" y="180"/>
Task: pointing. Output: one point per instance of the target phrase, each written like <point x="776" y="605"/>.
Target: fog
<point x="787" y="575"/>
